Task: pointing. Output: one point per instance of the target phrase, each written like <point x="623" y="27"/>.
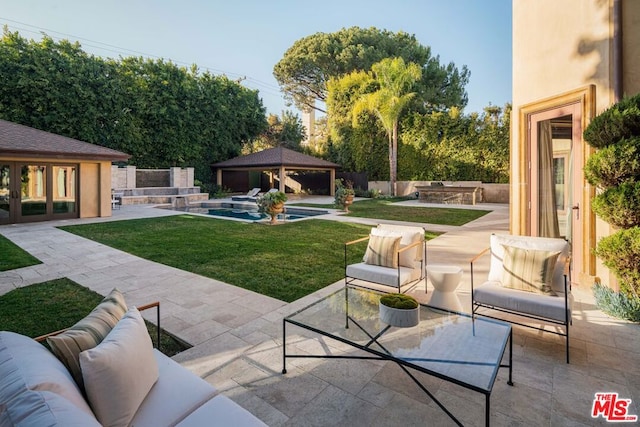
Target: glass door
<point x="555" y="176"/>
<point x="6" y="195"/>
<point x="37" y="192"/>
<point x="33" y="190"/>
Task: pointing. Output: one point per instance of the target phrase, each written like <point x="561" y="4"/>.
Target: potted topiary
<point x="271" y="203"/>
<point x="344" y="195"/>
<point x="399" y="310"/>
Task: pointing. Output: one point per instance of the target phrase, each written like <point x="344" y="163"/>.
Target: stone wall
<point x="130" y="177"/>
<point x="491" y="193"/>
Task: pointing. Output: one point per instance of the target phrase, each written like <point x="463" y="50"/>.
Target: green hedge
<point x="620" y="121"/>
<point x="615" y="164"/>
<point x="619" y="206"/>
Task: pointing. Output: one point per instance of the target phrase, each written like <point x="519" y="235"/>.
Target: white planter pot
<point x="401" y="318"/>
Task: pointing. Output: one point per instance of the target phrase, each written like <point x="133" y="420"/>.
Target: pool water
<point x="251" y="213"/>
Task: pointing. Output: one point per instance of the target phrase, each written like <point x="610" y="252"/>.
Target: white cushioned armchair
<point x="396" y="256"/>
<point x="528" y="277"/>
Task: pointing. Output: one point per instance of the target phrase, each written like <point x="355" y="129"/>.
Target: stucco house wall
<point x="566" y="48"/>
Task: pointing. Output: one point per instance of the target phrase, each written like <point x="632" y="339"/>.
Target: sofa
<point x="125" y="382"/>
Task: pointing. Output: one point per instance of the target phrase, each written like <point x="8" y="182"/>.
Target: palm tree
<point x="394" y="79"/>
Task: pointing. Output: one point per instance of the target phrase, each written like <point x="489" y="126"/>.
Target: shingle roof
<point x="278" y="156"/>
<point x="22" y="140"/>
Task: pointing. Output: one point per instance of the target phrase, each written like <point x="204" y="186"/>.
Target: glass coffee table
<point x="452" y="346"/>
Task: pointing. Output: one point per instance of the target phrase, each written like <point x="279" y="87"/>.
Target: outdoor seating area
<point x="237" y="339"/>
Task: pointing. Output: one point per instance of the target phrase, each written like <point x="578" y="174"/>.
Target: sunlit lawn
<point x="385" y="208"/>
<point x="12" y="256"/>
<point x="285" y="261"/>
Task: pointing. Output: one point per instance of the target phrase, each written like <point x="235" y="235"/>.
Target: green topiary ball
<point x="619" y="206"/>
<point x="615" y="164"/>
<point x="620" y="121"/>
<point x="621" y="253"/>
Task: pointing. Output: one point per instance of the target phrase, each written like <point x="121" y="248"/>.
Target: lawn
<point x="286" y="261"/>
<point x="57" y="304"/>
<point x="13" y="256"/>
<point x="386" y="208"/>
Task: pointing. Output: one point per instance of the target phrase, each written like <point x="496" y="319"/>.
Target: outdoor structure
<point x="45" y="176"/>
<point x="277" y="162"/>
<point x="571" y="61"/>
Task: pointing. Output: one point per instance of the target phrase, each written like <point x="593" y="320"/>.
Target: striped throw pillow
<point x="528" y="269"/>
<point x="88" y="333"/>
<point x="383" y="250"/>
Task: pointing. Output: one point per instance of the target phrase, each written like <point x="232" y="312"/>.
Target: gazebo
<point x="277" y="160"/>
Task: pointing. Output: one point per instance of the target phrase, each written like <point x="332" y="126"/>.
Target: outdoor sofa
<point x="124" y="380"/>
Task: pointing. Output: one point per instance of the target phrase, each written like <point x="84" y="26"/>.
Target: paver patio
<point x="237" y="337"/>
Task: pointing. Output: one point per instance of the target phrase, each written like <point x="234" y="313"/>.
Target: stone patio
<point x="237" y="340"/>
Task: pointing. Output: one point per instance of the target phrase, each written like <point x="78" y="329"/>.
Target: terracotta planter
<point x="347" y="202"/>
<point x="274" y="210"/>
<point x="401" y="318"/>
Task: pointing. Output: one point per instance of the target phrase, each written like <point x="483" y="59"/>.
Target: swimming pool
<point x="246" y="211"/>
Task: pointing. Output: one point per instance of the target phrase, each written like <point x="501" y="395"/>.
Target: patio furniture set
<point x="528" y="278"/>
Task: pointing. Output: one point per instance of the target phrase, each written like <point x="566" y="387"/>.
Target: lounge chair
<point x="250" y="196"/>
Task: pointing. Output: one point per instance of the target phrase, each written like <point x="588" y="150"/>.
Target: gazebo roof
<point x="276" y="157"/>
<point x="20" y="140"/>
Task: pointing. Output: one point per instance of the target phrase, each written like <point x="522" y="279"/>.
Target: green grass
<point x="286" y="261"/>
<point x="13" y="256"/>
<point x="57" y="304"/>
<point x="384" y="208"/>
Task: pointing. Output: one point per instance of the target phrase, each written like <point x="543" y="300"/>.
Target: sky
<point x="244" y="39"/>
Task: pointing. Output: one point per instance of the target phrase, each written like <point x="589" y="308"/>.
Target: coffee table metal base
<point x="377" y="355"/>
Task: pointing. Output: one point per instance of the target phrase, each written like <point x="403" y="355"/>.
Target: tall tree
<point x="394" y="80"/>
<point x="286" y="131"/>
<point x="310" y="62"/>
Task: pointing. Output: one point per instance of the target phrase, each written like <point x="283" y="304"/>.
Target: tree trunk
<point x="393" y="158"/>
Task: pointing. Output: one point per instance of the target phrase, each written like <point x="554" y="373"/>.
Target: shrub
<point x="614" y="164"/>
<point x="617" y="304"/>
<point x="620" y="121"/>
<point x="269" y="199"/>
<point x="619" y="206"/>
<point x="621" y="253"/>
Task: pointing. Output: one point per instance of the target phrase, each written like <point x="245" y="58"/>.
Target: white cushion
<point x="497" y="241"/>
<point x="120" y="371"/>
<point x="88" y="332"/>
<point x="221" y="411"/>
<point x="27" y="365"/>
<point x="383" y="275"/>
<point x="409" y="235"/>
<point x="548" y="306"/>
<point x="176" y="384"/>
<point x="43" y="408"/>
